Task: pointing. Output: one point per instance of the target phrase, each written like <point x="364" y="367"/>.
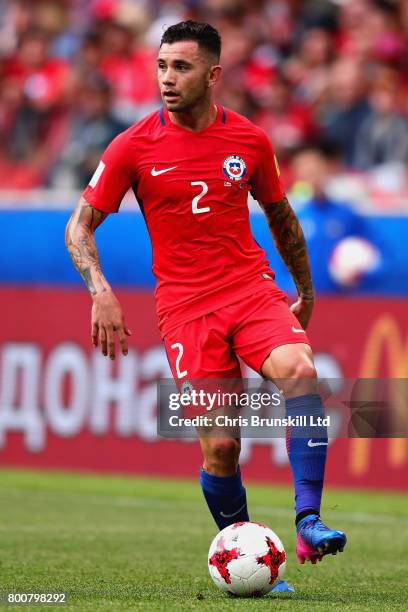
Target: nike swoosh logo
<point x="298" y="331"/>
<point x="234" y="513"/>
<point x="312" y="444"/>
<point x="157" y="172"/>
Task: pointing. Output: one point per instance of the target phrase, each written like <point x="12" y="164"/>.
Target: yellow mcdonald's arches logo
<point x="277" y="166"/>
<point x="384" y="340"/>
<point x="386" y="334"/>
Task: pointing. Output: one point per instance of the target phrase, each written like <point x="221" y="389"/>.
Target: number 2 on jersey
<point x="204" y="187"/>
<point x="180" y="348"/>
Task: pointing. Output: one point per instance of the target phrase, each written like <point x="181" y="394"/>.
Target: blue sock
<point x="225" y="497"/>
<point x="307" y="449"/>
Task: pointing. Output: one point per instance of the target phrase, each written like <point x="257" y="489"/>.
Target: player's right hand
<point x="302" y="309"/>
<point x="108" y="320"/>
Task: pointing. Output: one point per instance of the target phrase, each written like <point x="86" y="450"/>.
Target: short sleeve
<point x="112" y="178"/>
<point x="266" y="185"/>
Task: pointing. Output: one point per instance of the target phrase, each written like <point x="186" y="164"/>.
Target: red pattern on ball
<point x="221" y="558"/>
<point x="273" y="559"/>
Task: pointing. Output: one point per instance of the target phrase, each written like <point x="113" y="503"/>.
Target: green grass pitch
<point x="116" y="543"/>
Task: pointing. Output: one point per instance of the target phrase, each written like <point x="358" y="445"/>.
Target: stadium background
<point x="329" y="83"/>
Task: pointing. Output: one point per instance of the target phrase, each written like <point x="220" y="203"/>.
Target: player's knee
<point x="303" y="370"/>
<point x="297" y="370"/>
<point x="222" y="455"/>
<point x="298" y="377"/>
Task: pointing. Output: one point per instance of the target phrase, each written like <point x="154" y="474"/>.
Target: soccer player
<point x="191" y="166"/>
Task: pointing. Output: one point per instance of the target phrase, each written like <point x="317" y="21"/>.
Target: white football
<point x="246" y="559"/>
<point x="351" y="259"/>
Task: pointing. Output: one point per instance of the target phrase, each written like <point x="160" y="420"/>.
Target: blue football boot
<point x="314" y="539"/>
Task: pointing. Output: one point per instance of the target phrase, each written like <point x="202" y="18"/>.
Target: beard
<point x="184" y="105"/>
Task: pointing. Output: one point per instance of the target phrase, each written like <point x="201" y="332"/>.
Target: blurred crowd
<point x="315" y="73"/>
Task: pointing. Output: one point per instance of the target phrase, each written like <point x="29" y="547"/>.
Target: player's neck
<point x="196" y="120"/>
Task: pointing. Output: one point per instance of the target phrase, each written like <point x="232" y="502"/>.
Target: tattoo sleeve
<point x="80" y="242"/>
<point x="290" y="242"/>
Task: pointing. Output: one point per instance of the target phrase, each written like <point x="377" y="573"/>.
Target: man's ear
<point x="214" y="75"/>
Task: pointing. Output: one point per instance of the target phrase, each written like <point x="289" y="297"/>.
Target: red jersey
<point x="192" y="188"/>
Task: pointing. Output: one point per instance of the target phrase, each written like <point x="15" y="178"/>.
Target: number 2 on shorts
<point x="178" y="346"/>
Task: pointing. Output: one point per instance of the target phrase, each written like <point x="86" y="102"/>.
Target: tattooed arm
<point x="80" y="242"/>
<point x="107" y="316"/>
<point x="290" y="242"/>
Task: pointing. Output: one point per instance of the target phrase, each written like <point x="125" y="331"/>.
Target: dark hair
<point x="204" y="34"/>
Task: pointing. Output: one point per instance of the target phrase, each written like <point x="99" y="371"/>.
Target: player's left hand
<point x="302" y="309"/>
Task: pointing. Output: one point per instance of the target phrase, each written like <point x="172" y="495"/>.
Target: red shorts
<point x="209" y="346"/>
